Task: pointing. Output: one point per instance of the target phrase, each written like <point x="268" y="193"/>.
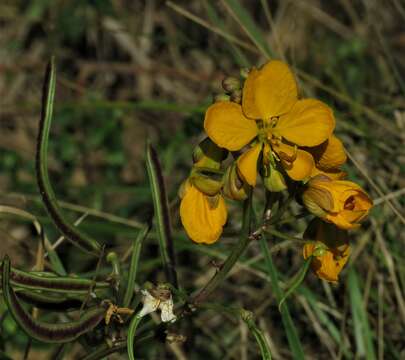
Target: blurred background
<point x="128" y="70"/>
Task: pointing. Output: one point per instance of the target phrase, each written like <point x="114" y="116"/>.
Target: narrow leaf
<point x="162" y="213"/>
<point x="74" y="235"/>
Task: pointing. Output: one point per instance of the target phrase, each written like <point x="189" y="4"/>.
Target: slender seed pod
<point x="49" y="302"/>
<point x="71" y="233"/>
<point x="54" y="283"/>
<point x="42" y="331"/>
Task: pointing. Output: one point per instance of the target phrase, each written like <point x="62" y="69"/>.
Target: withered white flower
<point x="163" y="302"/>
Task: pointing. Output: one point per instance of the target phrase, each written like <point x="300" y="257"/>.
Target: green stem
<point x="131" y="335"/>
<point x="233" y="256"/>
<point x="292" y="335"/>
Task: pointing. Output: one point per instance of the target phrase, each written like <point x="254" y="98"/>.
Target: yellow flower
<point x="331" y="249"/>
<point x="341" y="202"/>
<point x="271" y="114"/>
<point x="202" y="216"/>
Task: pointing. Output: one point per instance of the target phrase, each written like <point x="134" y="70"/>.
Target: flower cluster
<point x="286" y="140"/>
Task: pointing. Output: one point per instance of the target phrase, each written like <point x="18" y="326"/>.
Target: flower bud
<point x="209" y="155"/>
<point x="343" y="203"/>
<point x="274" y="181"/>
<point x="231" y="84"/>
<point x="234" y="187"/>
<point x="221" y="97"/>
<point x="182" y="189"/>
<point x="208" y="182"/>
<point x="244" y="73"/>
<point x="313" y="200"/>
<point x="319" y="250"/>
<point x="236" y="96"/>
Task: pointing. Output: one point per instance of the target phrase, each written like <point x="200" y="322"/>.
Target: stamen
<point x="350" y="203"/>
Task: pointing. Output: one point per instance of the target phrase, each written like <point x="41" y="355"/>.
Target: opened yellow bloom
<point x="272" y="114"/>
<point x="329" y="247"/>
<point x="202" y="216"/>
<point x="341" y="202"/>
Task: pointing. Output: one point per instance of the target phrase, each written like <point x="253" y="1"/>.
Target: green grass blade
<point x="162" y="214"/>
<point x="238" y="55"/>
<point x="133" y="269"/>
<point x="324" y="319"/>
<point x="292" y="336"/>
<point x="247" y="23"/>
<point x="71" y="233"/>
<point x="362" y="331"/>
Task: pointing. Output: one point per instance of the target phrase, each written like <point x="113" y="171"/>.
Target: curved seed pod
<point x="74" y="235"/>
<point x="39" y="330"/>
<point x="49" y="302"/>
<point x="50" y="282"/>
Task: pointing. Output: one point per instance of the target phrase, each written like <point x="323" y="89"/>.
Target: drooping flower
<point x="271" y="114"/>
<point x="329" y="247"/>
<point x="202" y="216"/>
<point x="341" y="202"/>
<point x="203" y="210"/>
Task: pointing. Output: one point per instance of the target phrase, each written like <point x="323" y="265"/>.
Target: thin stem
<point x="292" y="335"/>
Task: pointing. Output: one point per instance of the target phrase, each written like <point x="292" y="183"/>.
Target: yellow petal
<point x="334" y="174"/>
<point x="202" y="221"/>
<point x="331" y="154"/>
<point x="296" y="162"/>
<point x="302" y="167"/>
<point x="247" y="164"/>
<point x="227" y="127"/>
<point x="309" y="123"/>
<point x="248" y="98"/>
<point x="275" y="89"/>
